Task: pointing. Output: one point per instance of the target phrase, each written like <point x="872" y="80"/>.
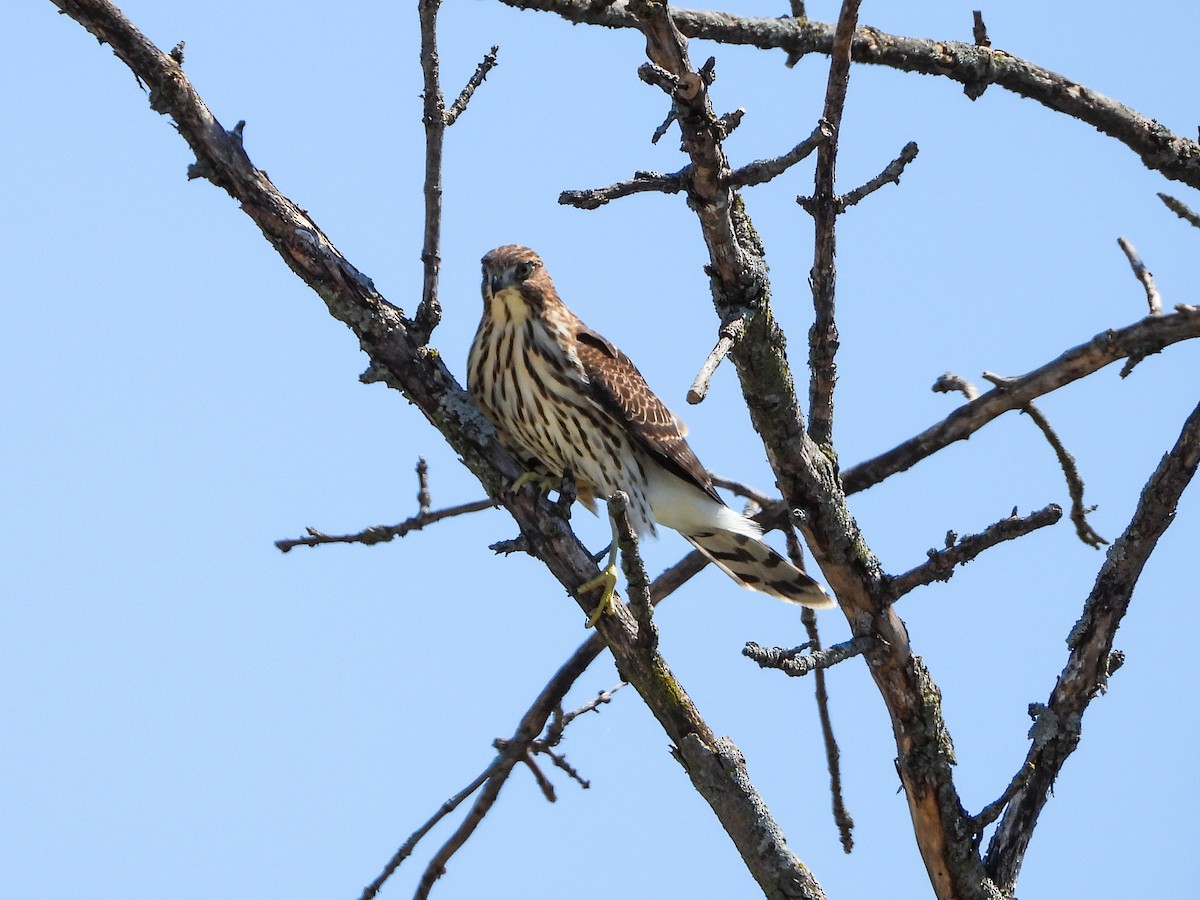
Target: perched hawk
<point x="562" y="397"/>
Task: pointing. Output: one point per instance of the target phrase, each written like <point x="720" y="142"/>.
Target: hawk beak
<point x="496" y="283"/>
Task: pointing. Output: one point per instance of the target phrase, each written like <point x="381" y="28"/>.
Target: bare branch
<point x="1079" y="512"/>
<point x="594" y="198"/>
<point x="409" y="845"/>
<point x="941" y="564"/>
<point x="399" y="359"/>
<point x="459" y="106"/>
<point x="728" y="335"/>
<point x="975" y="67"/>
<point x="890" y="175"/>
<point x="1136" y="341"/>
<point x="1057" y="725"/>
<point x="763" y="170"/>
<point x="992" y="811"/>
<point x="1142" y="274"/>
<point x="824" y="208"/>
<point x="754" y="495"/>
<point x="424" y="501"/>
<point x="1180" y="209"/>
<point x="379" y="534"/>
<point x="429" y="311"/>
<point x="792" y="662"/>
<point x="592" y="705"/>
<point x="833" y="755"/>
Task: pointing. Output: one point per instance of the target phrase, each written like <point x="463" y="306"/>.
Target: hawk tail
<point x="755" y="565"/>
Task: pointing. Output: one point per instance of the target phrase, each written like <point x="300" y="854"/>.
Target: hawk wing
<point x="620" y="389"/>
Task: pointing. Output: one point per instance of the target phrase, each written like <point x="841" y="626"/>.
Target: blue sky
<point x="186" y="710"/>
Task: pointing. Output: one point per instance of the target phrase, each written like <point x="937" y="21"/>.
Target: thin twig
<point x="763" y="170"/>
<point x="1180" y="209"/>
<point x="544" y="784"/>
<point x="823" y="336"/>
<point x="546" y="706"/>
<point x="429" y="311"/>
<point x="409" y="845"/>
<point x="594" y="198"/>
<point x="792" y="661"/>
<point x="459" y="106"/>
<point x="754" y="495"/>
<point x="1066" y="461"/>
<point x="890" y="175"/>
<point x="1079" y="512"/>
<point x="833" y="754"/>
<point x="379" y="534"/>
<point x="592" y="705"/>
<point x="1142" y="274"/>
<point x="942" y="563"/>
<point x="728" y="335"/>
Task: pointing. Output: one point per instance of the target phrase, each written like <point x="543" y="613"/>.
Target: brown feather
<point x="620" y="388"/>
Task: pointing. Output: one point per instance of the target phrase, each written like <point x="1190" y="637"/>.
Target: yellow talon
<point x="607" y="580"/>
<point x="545" y="482"/>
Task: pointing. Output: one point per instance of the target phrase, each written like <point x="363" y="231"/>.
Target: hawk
<point x="564" y="398"/>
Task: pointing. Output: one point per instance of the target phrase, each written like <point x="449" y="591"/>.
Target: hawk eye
<point x="524" y="270"/>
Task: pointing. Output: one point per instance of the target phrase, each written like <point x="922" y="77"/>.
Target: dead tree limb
<point x="1058" y="722"/>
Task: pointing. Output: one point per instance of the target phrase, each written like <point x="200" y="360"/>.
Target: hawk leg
<point x="607" y="580"/>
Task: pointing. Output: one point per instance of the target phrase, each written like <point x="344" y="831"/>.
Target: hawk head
<point x="515" y="276"/>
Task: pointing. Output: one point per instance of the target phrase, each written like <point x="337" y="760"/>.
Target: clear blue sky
<point x="189" y="713"/>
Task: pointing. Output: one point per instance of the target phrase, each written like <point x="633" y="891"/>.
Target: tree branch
<point x="380" y="534"/>
<point x="763" y="170"/>
<point x="594" y="198"/>
<point x="1134" y="342"/>
<point x="730" y="332"/>
<point x="459" y="106"/>
<point x="1142" y="274"/>
<point x="793" y="662"/>
<point x="429" y="311"/>
<point x="1058" y="723"/>
<point x="400" y="360"/>
<point x="833" y="755"/>
<point x="1180" y="209"/>
<point x="890" y="175"/>
<point x="808" y="478"/>
<point x="824" y="208"/>
<point x="973" y="66"/>
<point x="545" y="707"/>
<point x="941" y="564"/>
<point x="950" y="382"/>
